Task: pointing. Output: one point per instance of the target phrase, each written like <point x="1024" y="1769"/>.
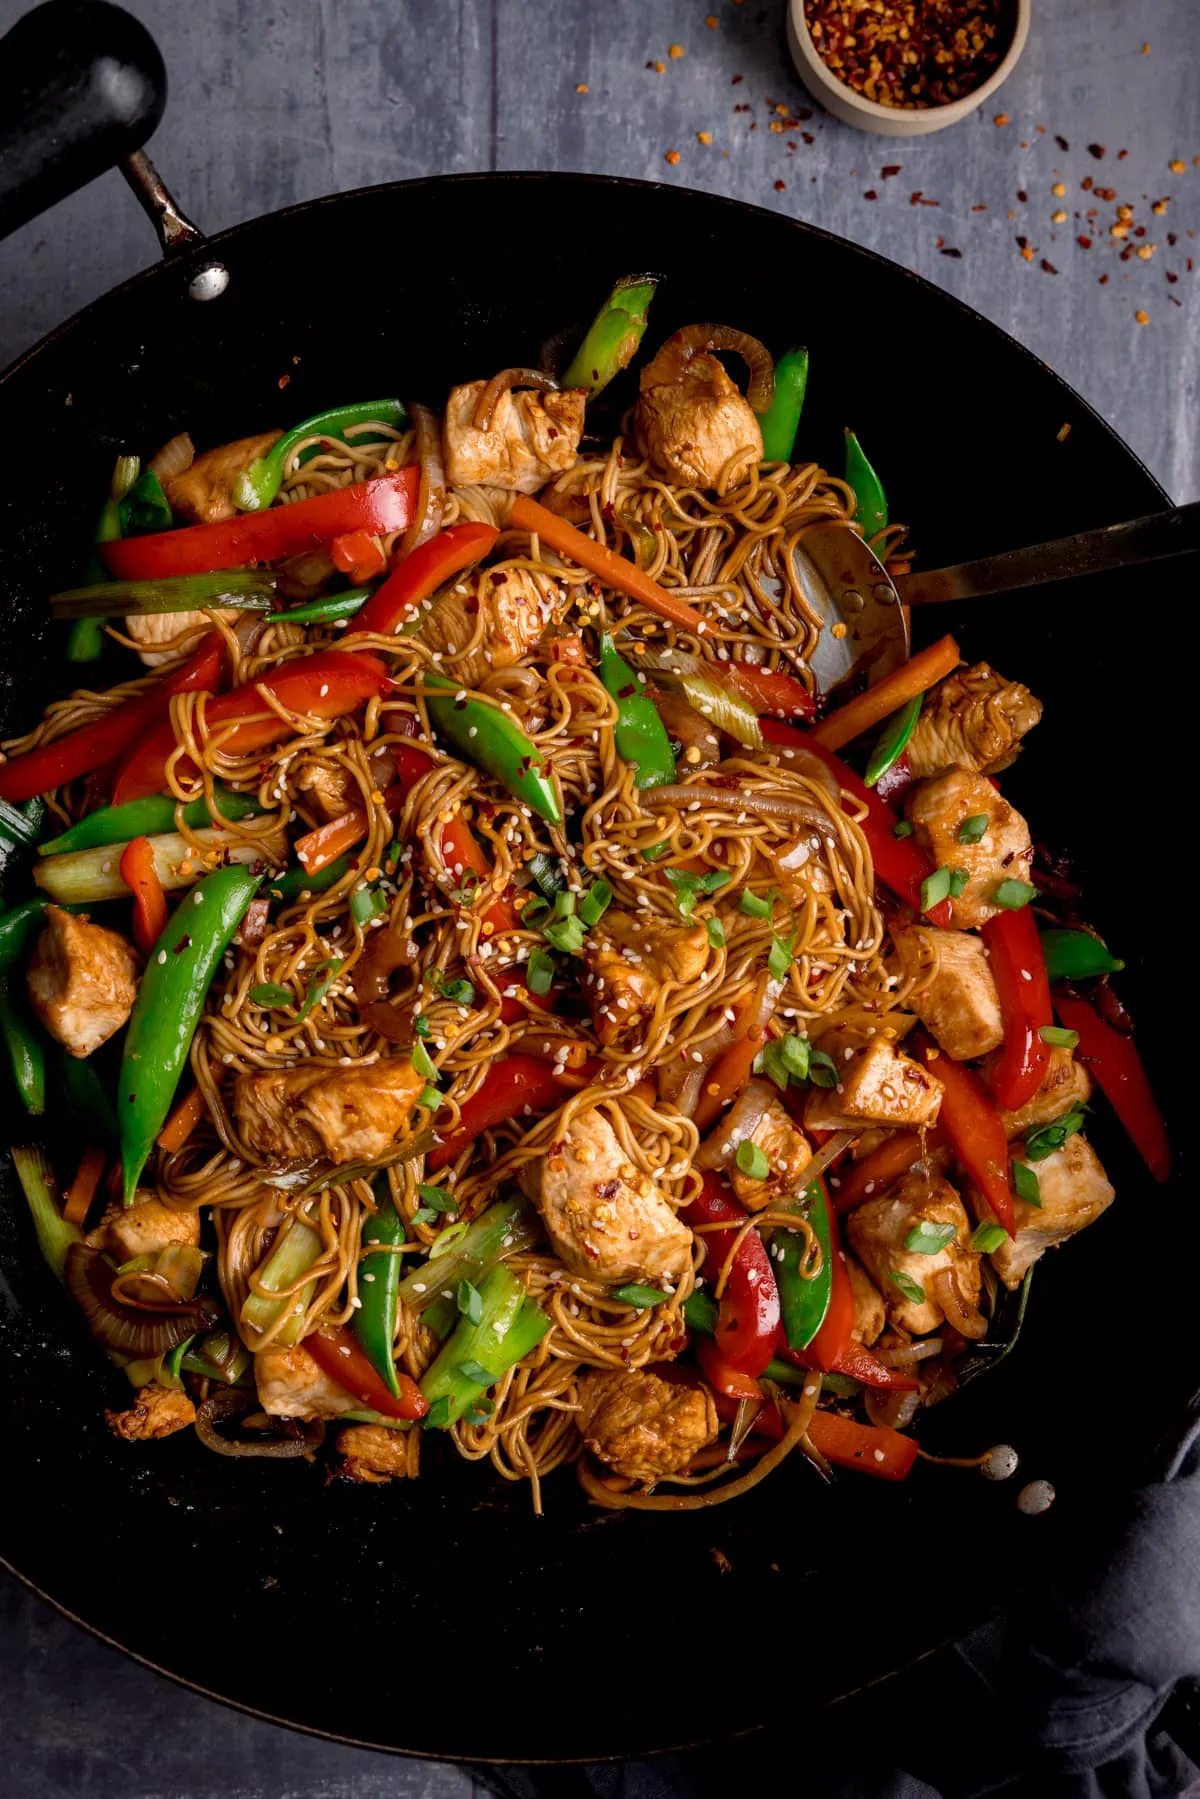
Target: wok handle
<point x="82" y="86"/>
<point x="1156" y="538"/>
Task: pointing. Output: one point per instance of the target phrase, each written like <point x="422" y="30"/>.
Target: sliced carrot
<point x="316" y="849"/>
<point x="82" y="1191"/>
<point x="616" y="571"/>
<point x="867" y="1448"/>
<point x="183" y="1121"/>
<point x="916" y="676"/>
<point x="878" y="1169"/>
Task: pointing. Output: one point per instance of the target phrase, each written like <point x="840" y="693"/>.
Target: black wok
<point x="443" y="1618"/>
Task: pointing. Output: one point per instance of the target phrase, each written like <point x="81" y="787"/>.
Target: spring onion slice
<point x="249" y="589"/>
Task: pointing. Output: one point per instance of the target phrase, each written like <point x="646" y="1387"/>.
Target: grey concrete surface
<point x="279" y="100"/>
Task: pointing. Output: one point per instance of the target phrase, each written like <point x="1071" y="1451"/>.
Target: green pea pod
<point x="26" y="1051"/>
<point x="1076" y="956"/>
<point x="802" y="1303"/>
<point x="287" y="887"/>
<point x="494" y="742"/>
<point x="149" y="817"/>
<point x="893" y="740"/>
<point x="781" y="421"/>
<point x="870" y="501"/>
<point x="86" y="638"/>
<point x="18" y="928"/>
<point x="169" y="1002"/>
<point x="263" y="479"/>
<point x="641" y="736"/>
<point x="613" y="336"/>
<point x="323" y="612"/>
<point x="378" y="1285"/>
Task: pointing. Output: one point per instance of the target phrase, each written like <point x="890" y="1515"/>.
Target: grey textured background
<point x="273" y="103"/>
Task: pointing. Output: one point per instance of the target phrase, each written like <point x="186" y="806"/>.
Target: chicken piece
<point x="877" y="1085"/>
<point x="1066" y="1083"/>
<point x="290" y="1385"/>
<point x="877" y="1230"/>
<point x="956" y="995"/>
<point x="155" y="633"/>
<point x="501" y="613"/>
<point x="605" y="1220"/>
<point x="938" y="809"/>
<point x="1073" y="1189"/>
<point x="374" y="1453"/>
<point x="973" y="719"/>
<point x="697" y="430"/>
<point x="688" y="727"/>
<point x="143" y="1228"/>
<point x="156" y="1412"/>
<point x="643" y="1426"/>
<point x="82" y="980"/>
<point x="870" y="1314"/>
<point x="532" y="436"/>
<point x="784" y="1145"/>
<point x="203" y="493"/>
<point x="313" y="1109"/>
<point x="629" y="962"/>
<point x="331" y="790"/>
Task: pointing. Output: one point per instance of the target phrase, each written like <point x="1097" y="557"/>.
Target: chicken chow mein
<point x="489" y="993"/>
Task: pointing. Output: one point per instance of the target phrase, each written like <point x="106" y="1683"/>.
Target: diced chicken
<point x="203" y="493"/>
<point x="82" y="980"/>
<point x="1066" y="1083"/>
<point x="973" y="719"/>
<point x="877" y="1085"/>
<point x="290" y="1385"/>
<point x="156" y="1412"/>
<point x="331" y="790"/>
<point x="877" y="1230"/>
<point x="165" y="636"/>
<point x="630" y="960"/>
<point x="955" y="993"/>
<point x="605" y="1220"/>
<point x="939" y="808"/>
<point x="501" y="614"/>
<point x="344" y="1114"/>
<point x="781" y="1141"/>
<point x="870" y="1314"/>
<point x="642" y="1426"/>
<point x="532" y="436"/>
<point x="373" y="1453"/>
<point x="697" y="430"/>
<point x="144" y="1228"/>
<point x="1073" y="1189"/>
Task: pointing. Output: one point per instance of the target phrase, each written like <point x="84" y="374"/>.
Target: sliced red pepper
<point x="457" y="847"/>
<point x="749" y="1316"/>
<point x="1019" y="971"/>
<point x="1113" y="1059"/>
<point x="868" y="1178"/>
<point x="972" y="1126"/>
<point x="88" y="749"/>
<point x="422" y="573"/>
<point x="857" y="1362"/>
<point x="378" y="507"/>
<point x="765" y="688"/>
<point x="338" y="1355"/>
<point x="899" y="864"/>
<point x="722" y="1376"/>
<point x="508" y="1088"/>
<point x="729" y="1073"/>
<point x="358" y="555"/>
<point x="149" y="901"/>
<point x="833" y="1338"/>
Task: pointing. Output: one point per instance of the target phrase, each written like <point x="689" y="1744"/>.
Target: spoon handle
<point x="1153" y="539"/>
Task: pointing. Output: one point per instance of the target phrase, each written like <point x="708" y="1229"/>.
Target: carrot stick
<point x="887" y="696"/>
<point x="878" y="1169"/>
<point x="616" y="571"/>
<point x="728" y="1075"/>
<point x="82" y="1191"/>
<point x="316" y="849"/>
<point x="182" y="1122"/>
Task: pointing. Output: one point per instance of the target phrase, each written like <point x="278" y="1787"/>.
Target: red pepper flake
<point x="1022" y="196"/>
<point x="283" y="380"/>
<point x="745" y="106"/>
<point x="1104" y="281"/>
<point x="809" y="139"/>
<point x="1062" y="434"/>
<point x="672" y="157"/>
<point x="889" y="169"/>
<point x="1002" y="118"/>
<point x="1021" y="242"/>
<point x="870" y="194"/>
<point x="949" y="251"/>
<point x="1049" y="267"/>
<point x="736" y="79"/>
<point x="1121" y="155"/>
<point x="1172" y="238"/>
<point x="779" y="186"/>
<point x="1143" y="318"/>
<point x="1085" y="243"/>
<point x="1172" y="277"/>
<point x="1098" y="151"/>
<point x="1105" y="193"/>
<point x="1086" y="184"/>
<point x="1061" y="142"/>
<point x="979" y="207"/>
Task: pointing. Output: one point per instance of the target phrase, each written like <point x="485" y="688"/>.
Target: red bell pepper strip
<point x="722" y="1376"/>
<point x="833" y="1338"/>
<point x="518" y="1001"/>
<point x="765" y="688"/>
<point x="863" y="1448"/>
<point x="1019" y="971"/>
<point x="1115" y="1062"/>
<point x="149" y="900"/>
<point x="868" y="1178"/>
<point x="378" y="507"/>
<point x="82" y="752"/>
<point x="856" y="1361"/>
<point x="422" y="573"/>
<point x="457" y="847"/>
<point x="357" y="554"/>
<point x="338" y="1355"/>
<point x="899" y="864"/>
<point x="324" y="685"/>
<point x="729" y="1074"/>
<point x="972" y="1126"/>
<point x="511" y="1087"/>
<point x="749" y="1316"/>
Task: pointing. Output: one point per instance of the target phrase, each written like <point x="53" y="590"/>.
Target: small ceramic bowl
<point x="893" y="121"/>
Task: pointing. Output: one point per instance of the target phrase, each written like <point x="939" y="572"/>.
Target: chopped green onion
<point x="753" y="906"/>
<point x="690" y="887"/>
<point x="270" y="993"/>
<point x="422" y="1026"/>
<point x="958" y="880"/>
<point x="1013" y="895"/>
<point x="769" y="1061"/>
<point x="911" y="1289"/>
<point x="1058" y="1036"/>
<point x="565" y="934"/>
<point x="461" y="992"/>
<point x="367" y="903"/>
<point x="840" y="1385"/>
<point x="424" y="1215"/>
<point x="450" y="1235"/>
<point x="322" y="981"/>
<point x="973" y="829"/>
<point x="423" y="1063"/>
<point x="725" y="708"/>
<point x="438" y="1415"/>
<point x="930" y="1239"/>
<point x="533" y="912"/>
<point x="439" y="1198"/>
<point x="469" y="1303"/>
<point x="1025" y="1184"/>
<point x="472" y="1370"/>
<point x="780" y="959"/>
<point x="988" y="1237"/>
<point x="480" y="1411"/>
<point x="1043" y="1143"/>
<point x="430" y="1098"/>
<point x="639" y="1296"/>
<point x="564" y="904"/>
<point x="539" y="972"/>
<point x="595" y="903"/>
<point x="822" y="1069"/>
<point x="249" y="590"/>
<point x="903" y="827"/>
<point x="716" y="932"/>
<point x="796" y="1054"/>
<point x="784" y="1059"/>
<point x="934" y="889"/>
<point x="655" y="851"/>
<point x="547" y="874"/>
<point x="752" y="1161"/>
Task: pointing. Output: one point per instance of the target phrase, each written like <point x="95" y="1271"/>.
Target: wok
<point x="443" y="1619"/>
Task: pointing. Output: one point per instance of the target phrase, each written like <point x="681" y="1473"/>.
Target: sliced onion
<point x="131" y="1332"/>
<point x="892" y="1409"/>
<point x="725" y="709"/>
<point x="305" y="1435"/>
<point x="431" y="493"/>
<point x="905" y="1354"/>
<point x="966" y="1319"/>
<point x="489" y="398"/>
<point x="740" y="1122"/>
<point x="736" y="799"/>
<point x="747" y="1412"/>
<point x="828" y="1152"/>
<point x="642" y="541"/>
<point x="175" y="458"/>
<point x="688" y="1096"/>
<point x="693" y="340"/>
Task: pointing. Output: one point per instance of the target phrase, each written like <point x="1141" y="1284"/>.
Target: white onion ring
<point x="968" y="1320"/>
<point x="431" y="493"/>
<point x="892" y="1409"/>
<point x="489" y="398"/>
<point x="740" y="1122"/>
<point x="175" y="458"/>
<point x="905" y="1354"/>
